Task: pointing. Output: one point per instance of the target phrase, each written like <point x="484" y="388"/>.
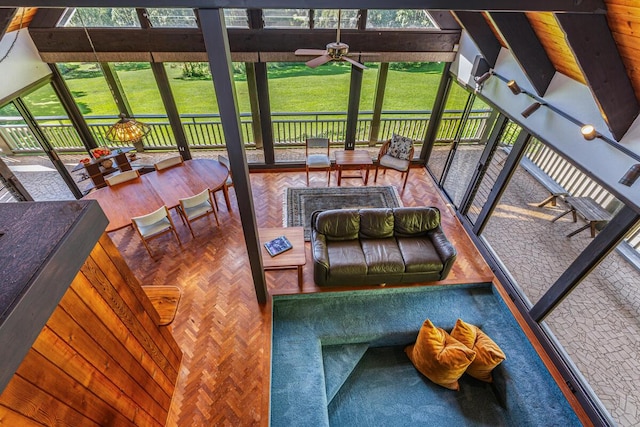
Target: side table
<point x="293" y="258"/>
<point x="353" y="159"/>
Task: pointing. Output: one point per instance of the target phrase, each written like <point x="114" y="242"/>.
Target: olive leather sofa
<point x="379" y="246"/>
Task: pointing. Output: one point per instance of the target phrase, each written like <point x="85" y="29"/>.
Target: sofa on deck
<point x="376" y="246"/>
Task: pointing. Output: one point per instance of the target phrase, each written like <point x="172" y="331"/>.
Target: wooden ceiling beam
<point x="595" y="50"/>
<point x="444" y="19"/>
<point x="46" y="17"/>
<point x="480" y="31"/>
<point x="240" y="40"/>
<point x="582" y="6"/>
<point x="522" y="41"/>
<point x="6" y="17"/>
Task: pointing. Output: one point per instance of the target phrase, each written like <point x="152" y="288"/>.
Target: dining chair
<point x="122" y="177"/>
<point x="396" y="154"/>
<point x="198" y="206"/>
<point x="167" y="163"/>
<point x="317" y="160"/>
<point x="153" y="225"/>
<point x="229" y="182"/>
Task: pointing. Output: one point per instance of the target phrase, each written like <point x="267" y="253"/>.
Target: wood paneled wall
<point x="101" y="359"/>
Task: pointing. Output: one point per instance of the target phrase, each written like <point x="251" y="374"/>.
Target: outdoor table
<point x="589" y="209"/>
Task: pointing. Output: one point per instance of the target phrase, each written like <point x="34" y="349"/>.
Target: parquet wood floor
<point x="222" y="330"/>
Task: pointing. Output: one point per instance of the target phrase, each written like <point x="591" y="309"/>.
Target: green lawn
<point x="293" y="87"/>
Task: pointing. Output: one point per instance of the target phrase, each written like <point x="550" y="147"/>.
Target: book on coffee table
<point x="278" y="245"/>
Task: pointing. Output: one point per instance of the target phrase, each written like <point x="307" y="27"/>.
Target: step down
<point x="339" y="361"/>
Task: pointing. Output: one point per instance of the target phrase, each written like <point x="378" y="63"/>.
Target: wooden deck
<point x="222" y="330"/>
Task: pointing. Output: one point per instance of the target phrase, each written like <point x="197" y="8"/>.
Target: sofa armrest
<point x="445" y="250"/>
<point x="320" y="255"/>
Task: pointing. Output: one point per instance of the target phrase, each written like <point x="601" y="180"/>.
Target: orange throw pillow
<point x="488" y="354"/>
<point x="438" y="356"/>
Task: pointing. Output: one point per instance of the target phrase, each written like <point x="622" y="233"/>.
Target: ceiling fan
<point x="335" y="51"/>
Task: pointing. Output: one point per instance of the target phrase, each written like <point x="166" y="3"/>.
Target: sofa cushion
<point x="438" y="356"/>
<point x="376" y="223"/>
<point x="419" y="254"/>
<point x="382" y="256"/>
<point x="346" y="258"/>
<point x="415" y="221"/>
<point x="339" y="224"/>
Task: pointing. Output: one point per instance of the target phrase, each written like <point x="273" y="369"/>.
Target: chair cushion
<point x="400" y="147"/>
<point x="155" y="228"/>
<point x="419" y="254"/>
<point x="382" y="256"/>
<point x="346" y="258"/>
<point x="318" y="161"/>
<point x="198" y="210"/>
<point x="438" y="356"/>
<point x="488" y="353"/>
<point x="393" y="163"/>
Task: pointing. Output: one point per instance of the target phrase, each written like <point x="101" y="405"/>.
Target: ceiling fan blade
<point x="311" y="52"/>
<point x="319" y="61"/>
<point x="354" y="62"/>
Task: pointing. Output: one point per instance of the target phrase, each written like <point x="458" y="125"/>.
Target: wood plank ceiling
<point x="623" y="19"/>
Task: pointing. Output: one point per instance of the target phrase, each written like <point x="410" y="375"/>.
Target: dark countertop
<point x="42" y="247"/>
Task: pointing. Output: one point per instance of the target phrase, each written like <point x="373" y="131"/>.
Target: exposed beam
<point x="436" y="113"/>
<point x="444" y="19"/>
<point x="6" y="17"/>
<point x="582" y="6"/>
<point x="526" y="48"/>
<point x="597" y="54"/>
<point x="480" y="31"/>
<point x="240" y="40"/>
<point x="355" y="89"/>
<point x="46" y="18"/>
<point x="215" y="37"/>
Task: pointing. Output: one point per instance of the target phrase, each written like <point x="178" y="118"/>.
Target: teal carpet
<point x="338" y="360"/>
<point x="300" y="203"/>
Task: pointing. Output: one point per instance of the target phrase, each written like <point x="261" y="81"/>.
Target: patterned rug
<point x="300" y="203"/>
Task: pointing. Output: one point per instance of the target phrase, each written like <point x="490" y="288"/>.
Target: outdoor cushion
<point x="400" y="147"/>
<point x="382" y="256"/>
<point x="488" y="353"/>
<point x="438" y="356"/>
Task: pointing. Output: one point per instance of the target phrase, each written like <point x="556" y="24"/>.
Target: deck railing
<point x="205" y="130"/>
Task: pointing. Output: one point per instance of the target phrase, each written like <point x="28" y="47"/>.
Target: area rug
<point x="337" y="359"/>
<point x="300" y="203"/>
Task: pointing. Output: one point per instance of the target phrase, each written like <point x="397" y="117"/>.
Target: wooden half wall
<point x="100" y="359"/>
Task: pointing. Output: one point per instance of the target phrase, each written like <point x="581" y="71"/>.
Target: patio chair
<point x="396" y="154"/>
<point x="198" y="206"/>
<point x="229" y="182"/>
<point x="167" y="163"/>
<point x="122" y="177"/>
<point x="153" y="225"/>
<point x="318" y="160"/>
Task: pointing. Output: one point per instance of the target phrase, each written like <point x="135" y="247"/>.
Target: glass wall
<point x="100" y="17"/>
<point x="328" y="18"/>
<point x="405" y="18"/>
<point x="285" y="18"/>
<point x="166" y="17"/>
<point x="308" y="102"/>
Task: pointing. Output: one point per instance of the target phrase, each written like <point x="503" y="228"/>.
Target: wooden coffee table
<point x="293" y="258"/>
<point x="351" y="160"/>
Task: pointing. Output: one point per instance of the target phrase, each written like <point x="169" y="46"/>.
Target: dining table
<point x="152" y="190"/>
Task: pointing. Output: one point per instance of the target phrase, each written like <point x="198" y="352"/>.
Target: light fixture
<point x="631" y="176"/>
<point x="483" y="78"/>
<point x="127" y="130"/>
<point x="511" y="84"/>
<point x="588" y="132"/>
<point x="531" y="109"/>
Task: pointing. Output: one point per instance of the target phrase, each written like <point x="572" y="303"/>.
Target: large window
<point x="283" y="18"/>
<point x="172" y="17"/>
<point x="328" y="18"/>
<point x="405" y="18"/>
